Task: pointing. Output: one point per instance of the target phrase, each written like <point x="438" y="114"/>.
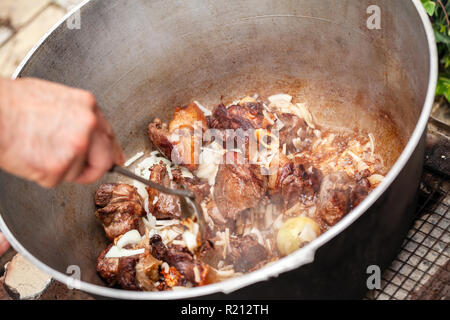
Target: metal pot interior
<point x="143" y="58"/>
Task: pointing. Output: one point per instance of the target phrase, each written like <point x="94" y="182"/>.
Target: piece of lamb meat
<point x="298" y="183"/>
<point x="178" y="141"/>
<point x="160" y="137"/>
<point x="238" y="187"/>
<point x="118" y="271"/>
<point x="162" y="205"/>
<point x="137" y="272"/>
<point x="295" y="133"/>
<point x="179" y="146"/>
<point x="181" y="259"/>
<point x="210" y="254"/>
<point x="188" y="117"/>
<point x="248" y="115"/>
<point x="291" y="182"/>
<point x="337" y="196"/>
<point x="199" y="187"/>
<point x="121" y="209"/>
<point x="246" y="253"/>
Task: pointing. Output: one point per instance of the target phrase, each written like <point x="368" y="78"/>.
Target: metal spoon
<point x="186" y="195"/>
<point x="176" y="192"/>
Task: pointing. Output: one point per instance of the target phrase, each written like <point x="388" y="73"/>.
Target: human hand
<point x="51" y="133"/>
<point x="4" y="245"/>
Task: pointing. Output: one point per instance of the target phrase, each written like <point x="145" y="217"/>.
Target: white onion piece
<point x="205" y="110"/>
<point x="301" y="111"/>
<point x="167" y="223"/>
<point x="131" y="237"/>
<point x="197" y="274"/>
<point x="165" y="267"/>
<point x="297" y="142"/>
<point x="372" y="144"/>
<point x="210" y="158"/>
<point x="115" y="252"/>
<point x="190" y="240"/>
<point x="133" y="159"/>
<point x="185" y="173"/>
<point x="280" y="98"/>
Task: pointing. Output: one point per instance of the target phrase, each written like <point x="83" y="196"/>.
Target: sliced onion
<point x="115" y="252"/>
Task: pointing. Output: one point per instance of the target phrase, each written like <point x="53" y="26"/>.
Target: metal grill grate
<point x="421" y="269"/>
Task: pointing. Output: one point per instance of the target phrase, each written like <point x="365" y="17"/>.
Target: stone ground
<point x="22" y="24"/>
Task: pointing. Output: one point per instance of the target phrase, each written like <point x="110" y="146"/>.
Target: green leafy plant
<point x="438" y="12"/>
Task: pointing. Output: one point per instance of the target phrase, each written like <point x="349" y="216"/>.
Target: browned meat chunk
<point x="158" y="248"/>
<point x="246" y="253"/>
<point x="294" y="128"/>
<point x="162" y="205"/>
<point x="337" y="196"/>
<point x="118" y="271"/>
<point x="210" y="254"/>
<point x="178" y="142"/>
<point x="200" y="188"/>
<point x="160" y="137"/>
<point x="248" y="115"/>
<point x="120" y="209"/>
<point x="298" y="184"/>
<point x="108" y="267"/>
<point x="238" y="187"/>
<point x="215" y="214"/>
<point x="178" y="146"/>
<point x="361" y="178"/>
<point x="291" y="182"/>
<point x="359" y="192"/>
<point x="181" y="259"/>
<point x="187" y="117"/>
<point x="131" y="273"/>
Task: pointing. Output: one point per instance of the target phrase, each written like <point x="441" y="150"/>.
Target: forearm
<point x="4" y="116"/>
<point x="51" y="133"/>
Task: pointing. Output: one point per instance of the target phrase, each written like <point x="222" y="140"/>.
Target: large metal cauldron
<point x="141" y="58"/>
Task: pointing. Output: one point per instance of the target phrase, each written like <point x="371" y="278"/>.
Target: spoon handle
<point x="124" y="172"/>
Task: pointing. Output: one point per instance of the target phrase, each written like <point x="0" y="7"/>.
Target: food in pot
<point x="295" y="233"/>
<point x="269" y="180"/>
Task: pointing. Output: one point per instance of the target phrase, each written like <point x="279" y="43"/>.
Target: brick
<point x="13" y="52"/>
<point x="67" y="4"/>
<point x="23" y="280"/>
<point x="3" y="294"/>
<point x="5" y="34"/>
<point x="19" y="12"/>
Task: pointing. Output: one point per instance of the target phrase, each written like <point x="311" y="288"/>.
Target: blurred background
<point x="22" y="24"/>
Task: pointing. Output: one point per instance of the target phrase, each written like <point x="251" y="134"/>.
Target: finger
<point x="54" y="174"/>
<point x="50" y="180"/>
<point x="118" y="155"/>
<point x="4" y="244"/>
<point x="99" y="159"/>
<point x="76" y="168"/>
